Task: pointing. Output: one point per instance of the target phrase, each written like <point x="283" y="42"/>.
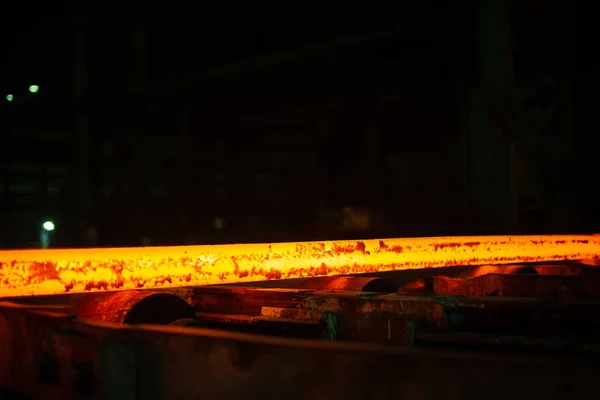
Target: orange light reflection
<point x="36" y="272"/>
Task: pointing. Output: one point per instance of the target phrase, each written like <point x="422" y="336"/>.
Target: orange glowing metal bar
<point x="36" y="272"/>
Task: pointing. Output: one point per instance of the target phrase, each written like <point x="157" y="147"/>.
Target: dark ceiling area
<point x="430" y="119"/>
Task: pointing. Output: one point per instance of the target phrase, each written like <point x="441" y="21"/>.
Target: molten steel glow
<point x="35" y="272"/>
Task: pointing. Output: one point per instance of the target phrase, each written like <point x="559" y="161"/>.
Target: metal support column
<point x="492" y="176"/>
<point x="81" y="142"/>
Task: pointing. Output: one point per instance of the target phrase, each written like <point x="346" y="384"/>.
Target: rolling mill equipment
<point x="459" y="317"/>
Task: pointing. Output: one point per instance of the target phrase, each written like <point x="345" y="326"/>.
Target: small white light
<point x="48" y="225"/>
<point x="34" y="88"/>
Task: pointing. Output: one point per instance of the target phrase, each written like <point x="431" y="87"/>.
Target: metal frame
<point x="48" y="355"/>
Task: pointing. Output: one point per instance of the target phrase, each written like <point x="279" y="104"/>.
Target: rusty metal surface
<point x="563" y="287"/>
<point x="36" y="272"/>
<point x="107" y="361"/>
<point x="236" y="306"/>
<point x="517" y="341"/>
<point x="44" y="350"/>
<point x="346" y="283"/>
<point x="368" y="314"/>
<point x="132" y="307"/>
<point x="239" y="305"/>
<point x="300" y="303"/>
<point x="276" y="326"/>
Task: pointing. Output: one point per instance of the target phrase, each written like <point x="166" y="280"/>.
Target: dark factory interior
<point x="161" y="126"/>
<point x="213" y="201"/>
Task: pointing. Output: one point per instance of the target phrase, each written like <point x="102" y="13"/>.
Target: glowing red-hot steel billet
<point x="36" y="272"/>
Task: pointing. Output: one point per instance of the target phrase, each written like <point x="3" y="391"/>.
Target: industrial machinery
<point x="456" y="317"/>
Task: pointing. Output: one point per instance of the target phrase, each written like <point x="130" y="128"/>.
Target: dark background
<point x="169" y="123"/>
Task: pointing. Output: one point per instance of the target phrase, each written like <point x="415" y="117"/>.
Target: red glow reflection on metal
<point x="34" y="272"/>
<point x="133" y="306"/>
